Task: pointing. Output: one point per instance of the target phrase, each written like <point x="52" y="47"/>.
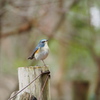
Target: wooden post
<point x="39" y="89"/>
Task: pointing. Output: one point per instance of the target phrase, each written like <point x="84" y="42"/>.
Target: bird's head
<point x="43" y="42"/>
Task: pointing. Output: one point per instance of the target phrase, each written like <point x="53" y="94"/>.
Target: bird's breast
<point x="42" y="54"/>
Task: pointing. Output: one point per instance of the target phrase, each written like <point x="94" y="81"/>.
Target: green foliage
<point x="54" y="45"/>
<point x="20" y="63"/>
<point x="77" y="54"/>
<point x="79" y="15"/>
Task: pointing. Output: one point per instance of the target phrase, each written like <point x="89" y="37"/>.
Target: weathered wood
<point x="33" y="92"/>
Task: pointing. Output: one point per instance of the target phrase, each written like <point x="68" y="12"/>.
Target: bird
<point x="41" y="51"/>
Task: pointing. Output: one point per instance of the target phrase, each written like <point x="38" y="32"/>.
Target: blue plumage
<point x="41" y="51"/>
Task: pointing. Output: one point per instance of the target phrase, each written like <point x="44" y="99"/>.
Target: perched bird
<point x="41" y="51"/>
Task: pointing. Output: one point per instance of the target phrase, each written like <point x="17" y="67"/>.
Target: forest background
<point x="73" y="30"/>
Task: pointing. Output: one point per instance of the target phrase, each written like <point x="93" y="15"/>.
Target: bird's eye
<point x="43" y="41"/>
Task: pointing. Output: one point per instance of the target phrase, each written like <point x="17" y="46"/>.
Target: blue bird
<point x="41" y="51"/>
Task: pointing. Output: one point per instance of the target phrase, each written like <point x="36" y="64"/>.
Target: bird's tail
<point x="31" y="57"/>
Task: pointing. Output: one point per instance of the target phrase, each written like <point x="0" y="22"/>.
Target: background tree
<point x="74" y="38"/>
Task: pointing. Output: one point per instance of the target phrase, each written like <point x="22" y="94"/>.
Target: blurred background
<point x="73" y="30"/>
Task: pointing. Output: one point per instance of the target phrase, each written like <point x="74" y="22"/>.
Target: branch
<point x="20" y="30"/>
<point x="28" y="25"/>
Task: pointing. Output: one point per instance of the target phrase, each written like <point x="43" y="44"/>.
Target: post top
<point x="34" y="67"/>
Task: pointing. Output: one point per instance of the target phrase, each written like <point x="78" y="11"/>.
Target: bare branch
<point x="20" y="30"/>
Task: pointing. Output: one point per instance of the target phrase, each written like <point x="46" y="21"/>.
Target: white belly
<point x="42" y="54"/>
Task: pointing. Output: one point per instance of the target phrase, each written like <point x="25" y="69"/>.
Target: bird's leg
<point x="44" y="63"/>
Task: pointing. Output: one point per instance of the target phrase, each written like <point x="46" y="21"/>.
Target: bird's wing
<point x="36" y="50"/>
